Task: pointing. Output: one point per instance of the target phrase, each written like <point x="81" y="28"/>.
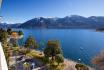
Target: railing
<point x="3" y="63"/>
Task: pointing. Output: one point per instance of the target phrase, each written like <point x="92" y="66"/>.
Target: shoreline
<point x="70" y="65"/>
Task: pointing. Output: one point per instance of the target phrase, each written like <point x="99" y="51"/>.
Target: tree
<point x="46" y="59"/>
<point x="59" y="58"/>
<point x="20" y="32"/>
<point x="9" y="30"/>
<point x="16" y="50"/>
<point x="31" y="43"/>
<point x="52" y="49"/>
<point x="15" y="44"/>
<point x="6" y="52"/>
<point x="81" y="67"/>
<point x="3" y="36"/>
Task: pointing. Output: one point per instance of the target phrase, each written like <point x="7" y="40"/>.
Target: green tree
<point x="3" y="36"/>
<point x="9" y="30"/>
<point x="46" y="59"/>
<point x="31" y="43"/>
<point x="52" y="49"/>
<point x="16" y="50"/>
<point x="81" y="67"/>
<point x="59" y="58"/>
<point x="15" y="44"/>
<point x="20" y="32"/>
<point x="6" y="52"/>
<point x="7" y="55"/>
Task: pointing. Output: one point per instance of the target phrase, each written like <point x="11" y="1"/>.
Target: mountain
<point x="73" y="21"/>
<point x="16" y="25"/>
<point x="5" y="25"/>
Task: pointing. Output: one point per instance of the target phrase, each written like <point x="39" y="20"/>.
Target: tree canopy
<point x="31" y="43"/>
<point x="9" y="31"/>
<point x="3" y="36"/>
<point x="54" y="51"/>
<point x="20" y="32"/>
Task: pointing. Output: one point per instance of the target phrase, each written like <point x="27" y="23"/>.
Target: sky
<point x="0" y="3"/>
<point x="19" y="11"/>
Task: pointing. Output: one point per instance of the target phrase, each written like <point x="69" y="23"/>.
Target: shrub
<point x="81" y="67"/>
<point x="59" y="58"/>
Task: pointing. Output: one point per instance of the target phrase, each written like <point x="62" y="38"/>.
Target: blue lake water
<point x="76" y="43"/>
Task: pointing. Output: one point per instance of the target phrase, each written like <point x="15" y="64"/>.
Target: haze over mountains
<point x="73" y="21"/>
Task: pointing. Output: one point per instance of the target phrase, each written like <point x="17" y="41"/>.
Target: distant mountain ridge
<point x="6" y="25"/>
<point x="73" y="21"/>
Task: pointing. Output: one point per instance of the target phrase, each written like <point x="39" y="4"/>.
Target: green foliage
<point x="3" y="36"/>
<point x="15" y="51"/>
<point x="59" y="58"/>
<point x="23" y="51"/>
<point x="20" y="33"/>
<point x="31" y="43"/>
<point x="81" y="67"/>
<point x="54" y="51"/>
<point x="47" y="51"/>
<point x="6" y="52"/>
<point x="54" y="66"/>
<point x="15" y="44"/>
<point x="46" y="59"/>
<point x="9" y="31"/>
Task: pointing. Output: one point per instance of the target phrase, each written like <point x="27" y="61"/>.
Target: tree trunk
<point x="53" y="57"/>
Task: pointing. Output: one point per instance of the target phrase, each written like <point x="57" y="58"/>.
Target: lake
<point x="76" y="43"/>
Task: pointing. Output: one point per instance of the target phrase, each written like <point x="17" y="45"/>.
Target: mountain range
<point x="73" y="21"/>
